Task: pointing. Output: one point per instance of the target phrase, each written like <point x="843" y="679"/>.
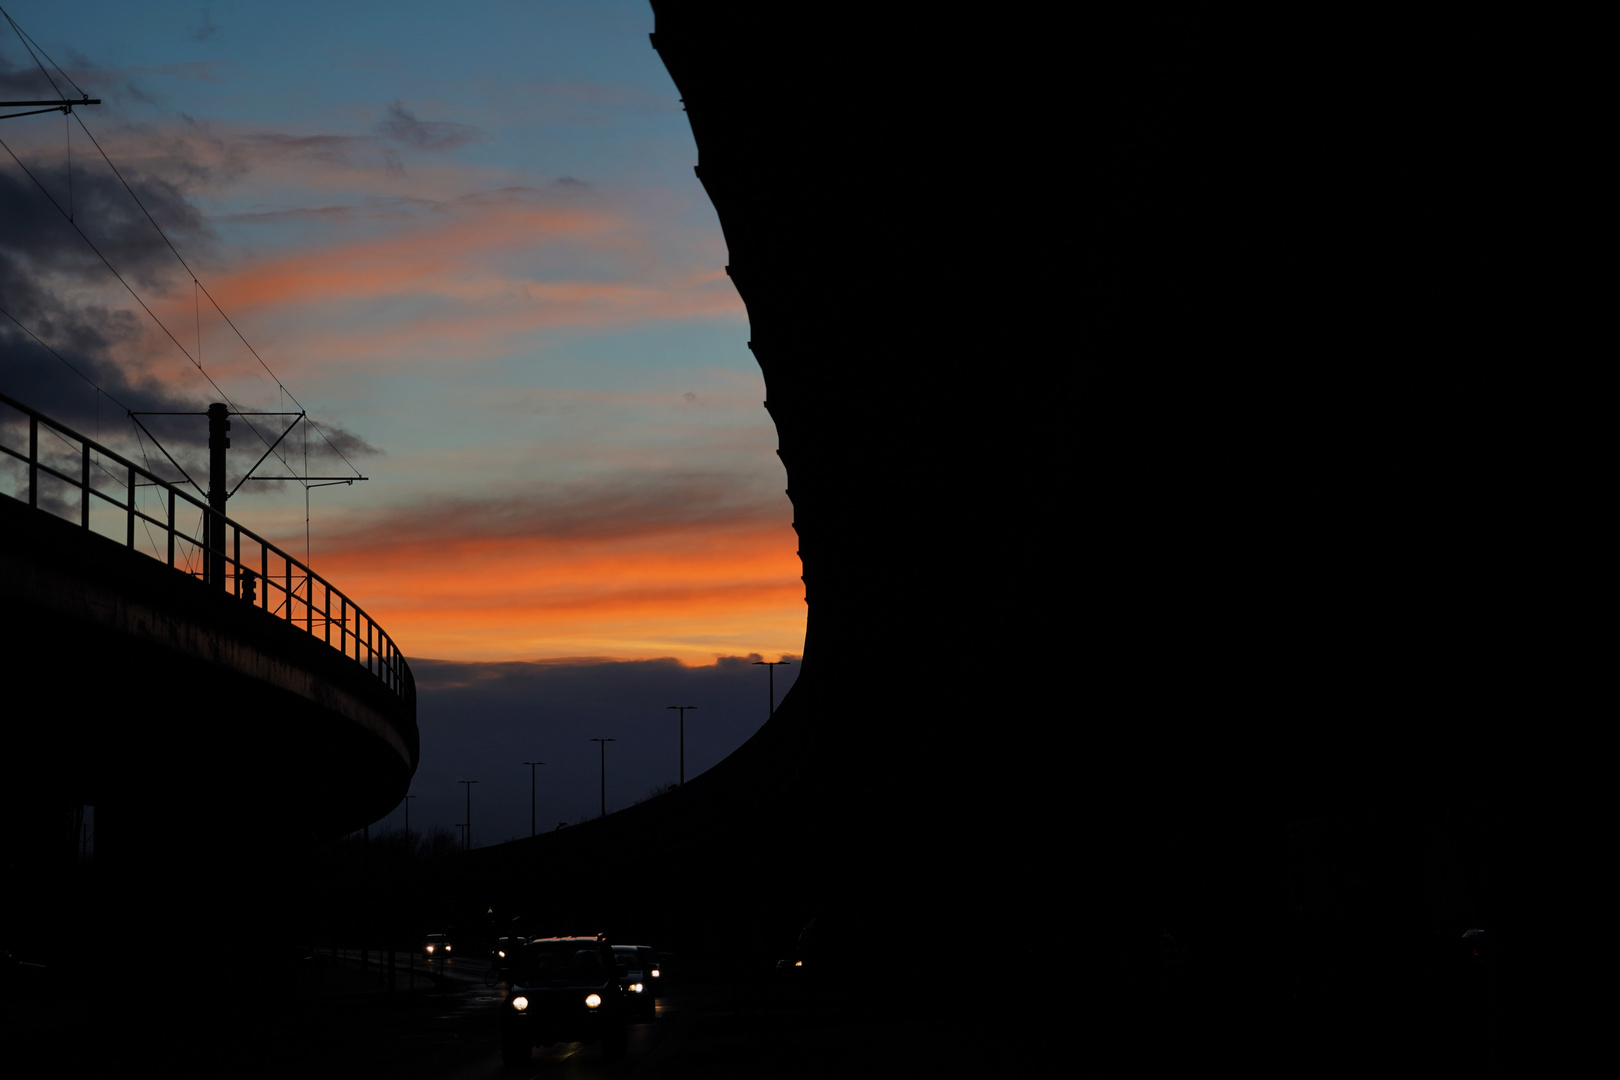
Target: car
<point x="437" y="947"/>
<point x="565" y="989"/>
<point x="640" y="983"/>
<point x="655" y="966"/>
<point x="504" y="946"/>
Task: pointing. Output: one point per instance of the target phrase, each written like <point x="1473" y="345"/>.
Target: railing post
<point x="236" y="561"/>
<point x="288" y="560"/>
<point x="84" y="490"/>
<point x="309" y="601"/>
<point x="33" y="460"/>
<point x="171" y="526"/>
<point x="264" y="571"/>
<point x="326" y="611"/>
<point x="129" y="541"/>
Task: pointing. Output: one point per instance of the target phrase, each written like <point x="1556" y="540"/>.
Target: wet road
<point x="234" y="1023"/>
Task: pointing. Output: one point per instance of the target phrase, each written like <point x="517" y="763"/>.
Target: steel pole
<point x="219" y="441"/>
<point x="603" y="743"/>
<point x="531" y="765"/>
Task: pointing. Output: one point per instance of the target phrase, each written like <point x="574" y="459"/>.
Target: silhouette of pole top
<point x="468" y="822"/>
<point x="531" y="765"/>
<point x="604" y="743"/>
<point x="682" y="709"/>
<point x="771" y="666"/>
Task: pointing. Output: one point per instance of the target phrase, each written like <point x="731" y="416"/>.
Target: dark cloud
<point x="623" y="505"/>
<point x="335" y="440"/>
<point x="332" y="149"/>
<point x="276" y="217"/>
<point x="45" y="266"/>
<point x="569" y="182"/>
<point x="47" y="271"/>
<point x="401" y="129"/>
<point x="204" y="29"/>
<point x="480" y="721"/>
<point x="403" y="126"/>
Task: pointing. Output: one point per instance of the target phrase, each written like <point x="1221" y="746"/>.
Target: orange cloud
<point x="694" y="594"/>
<point x="635" y="568"/>
<point x="473" y="285"/>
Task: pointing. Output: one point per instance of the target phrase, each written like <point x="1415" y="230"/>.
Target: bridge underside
<point x="206" y="733"/>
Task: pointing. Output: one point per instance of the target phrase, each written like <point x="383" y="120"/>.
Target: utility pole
<point x="682" y="709"/>
<point x="771" y="666"/>
<point x="469" y="784"/>
<point x="531" y="765"/>
<point x="219" y="440"/>
<point x="409" y="848"/>
<point x="604" y="743"/>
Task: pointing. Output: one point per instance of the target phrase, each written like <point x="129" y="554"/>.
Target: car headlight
<point x="501" y="953"/>
<point x="593" y="1000"/>
<point x="636" y="988"/>
<point x="430" y="948"/>
<point x="447" y="948"/>
<point x="798" y="963"/>
<point x="520" y="1003"/>
<point x="656" y="973"/>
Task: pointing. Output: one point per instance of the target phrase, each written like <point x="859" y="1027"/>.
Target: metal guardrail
<point x="306" y="598"/>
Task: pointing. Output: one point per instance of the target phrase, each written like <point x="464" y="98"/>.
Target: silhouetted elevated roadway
<point x="216" y="701"/>
<point x="1132" y="380"/>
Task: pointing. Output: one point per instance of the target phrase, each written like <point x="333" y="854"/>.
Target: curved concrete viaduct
<point x="214" y="736"/>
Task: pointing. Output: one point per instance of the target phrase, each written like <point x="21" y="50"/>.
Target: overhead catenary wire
<point x="204" y="290"/>
<point x="198" y="288"/>
<point x="31" y="46"/>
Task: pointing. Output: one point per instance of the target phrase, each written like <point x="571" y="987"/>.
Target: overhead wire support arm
<point x="301" y="479"/>
<point x="158" y="443"/>
<point x="55" y="106"/>
<point x="270" y="450"/>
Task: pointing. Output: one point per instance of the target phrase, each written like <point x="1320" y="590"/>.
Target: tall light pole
<point x="682" y="709"/>
<point x="771" y="666"/>
<point x="604" y="743"/>
<point x="469" y="784"/>
<point x="531" y="765"/>
<point x="409" y="850"/>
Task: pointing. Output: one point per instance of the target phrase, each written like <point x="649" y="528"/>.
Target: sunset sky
<point x="469" y="239"/>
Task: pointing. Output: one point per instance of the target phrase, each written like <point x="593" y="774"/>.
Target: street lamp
<point x="469" y="784"/>
<point x="531" y="765"/>
<point x="771" y="666"/>
<point x="408" y="849"/>
<point x="682" y="709"/>
<point x="604" y="743"/>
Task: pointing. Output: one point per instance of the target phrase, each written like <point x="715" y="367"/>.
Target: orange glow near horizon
<point x="694" y="595"/>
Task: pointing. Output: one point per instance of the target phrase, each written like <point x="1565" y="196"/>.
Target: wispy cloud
<point x="403" y="126"/>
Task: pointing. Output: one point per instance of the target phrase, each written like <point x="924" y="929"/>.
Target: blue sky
<point x="471" y="240"/>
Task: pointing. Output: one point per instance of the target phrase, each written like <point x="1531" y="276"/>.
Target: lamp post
<point x="604" y="743"/>
<point x="771" y="666"/>
<point x="682" y="709"/>
<point x="469" y="784"/>
<point x="531" y="765"/>
<point x="409" y="850"/>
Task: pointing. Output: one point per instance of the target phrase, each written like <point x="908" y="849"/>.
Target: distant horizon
<point x="480" y="720"/>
